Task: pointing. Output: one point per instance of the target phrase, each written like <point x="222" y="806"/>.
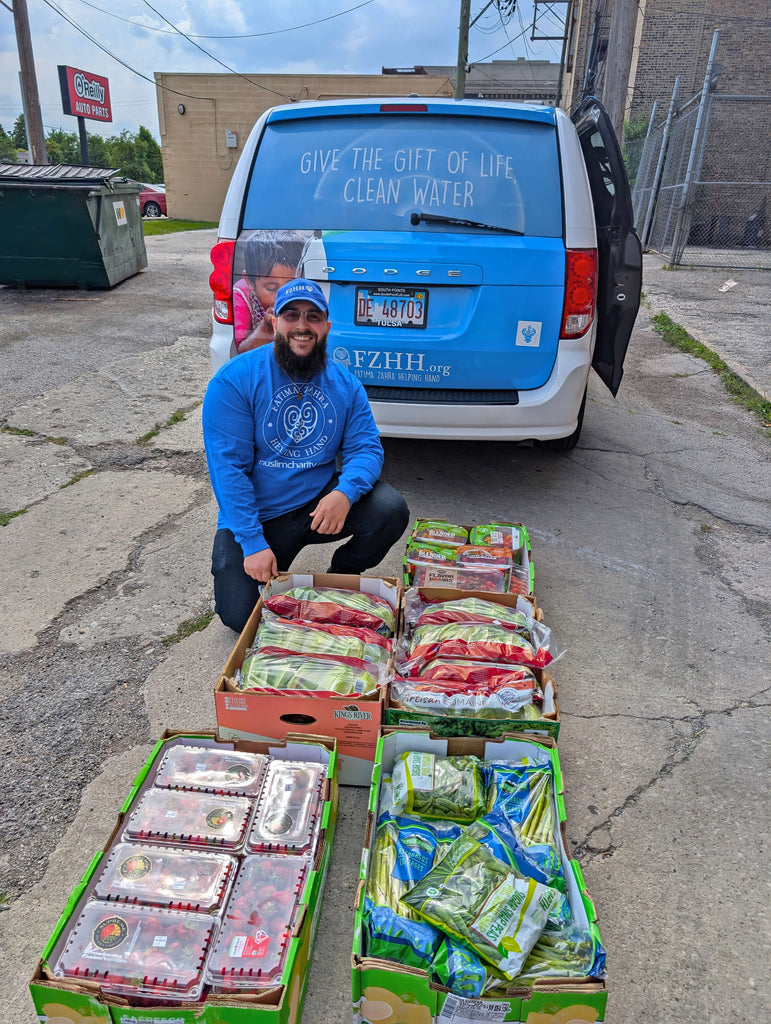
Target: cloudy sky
<point x="126" y="42"/>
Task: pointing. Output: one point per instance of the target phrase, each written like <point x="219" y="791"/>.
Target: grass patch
<point x="18" y="431"/>
<point x="56" y="440"/>
<point x="176" y="417"/>
<point x="187" y="628"/>
<point x="6" y="517"/>
<point x="738" y="389"/>
<point x="168" y="227"/>
<point x="78" y="476"/>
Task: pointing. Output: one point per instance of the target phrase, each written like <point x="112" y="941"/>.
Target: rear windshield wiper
<point x="433" y="218"/>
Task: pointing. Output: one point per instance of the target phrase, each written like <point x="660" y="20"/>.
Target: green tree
<point x="98" y="151"/>
<point x="19" y="133"/>
<point x="63" y="147"/>
<point x="7" y="148"/>
<point x="137" y="156"/>
<point x="152" y="154"/>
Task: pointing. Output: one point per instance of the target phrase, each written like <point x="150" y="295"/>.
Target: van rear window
<point x="372" y="172"/>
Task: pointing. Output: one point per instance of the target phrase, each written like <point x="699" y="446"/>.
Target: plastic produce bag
<point x="475" y="898"/>
<point x="444" y="788"/>
<point x="297" y="672"/>
<point x="284" y="636"/>
<point x="331" y="604"/>
<point x="523" y="795"/>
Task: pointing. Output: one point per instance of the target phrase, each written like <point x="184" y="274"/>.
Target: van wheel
<point x="567" y="444"/>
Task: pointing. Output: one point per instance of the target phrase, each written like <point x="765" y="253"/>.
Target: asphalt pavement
<point x="651" y="548"/>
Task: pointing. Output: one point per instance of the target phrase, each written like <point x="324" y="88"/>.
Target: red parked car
<point x="152" y="200"/>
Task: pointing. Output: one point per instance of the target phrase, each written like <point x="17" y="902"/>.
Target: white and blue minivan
<point x="479" y="257"/>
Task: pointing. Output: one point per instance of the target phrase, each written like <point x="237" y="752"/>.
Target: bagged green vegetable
<point x="275" y="636"/>
<point x="475" y="898"/>
<point x="522" y="794"/>
<point x="403" y="851"/>
<point x="445" y="788"/>
<point x="332" y="604"/>
<point x="299" y="672"/>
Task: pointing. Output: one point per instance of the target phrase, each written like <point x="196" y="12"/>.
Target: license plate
<point x="383" y="306"/>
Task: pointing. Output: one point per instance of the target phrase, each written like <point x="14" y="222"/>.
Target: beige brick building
<point x="205" y="120"/>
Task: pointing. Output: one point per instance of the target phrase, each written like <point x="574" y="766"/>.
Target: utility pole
<point x="465" y="14"/>
<point x="33" y="120"/>
<point x="460" y="74"/>
<point x="623" y="23"/>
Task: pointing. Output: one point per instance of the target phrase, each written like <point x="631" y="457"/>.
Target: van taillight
<point x="221" y="281"/>
<point x="580" y="292"/>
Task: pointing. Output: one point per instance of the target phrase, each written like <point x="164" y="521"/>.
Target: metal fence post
<point x="659" y="166"/>
<point x="695" y="146"/>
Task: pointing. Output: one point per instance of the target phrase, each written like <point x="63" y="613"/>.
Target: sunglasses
<point x="313" y="316"/>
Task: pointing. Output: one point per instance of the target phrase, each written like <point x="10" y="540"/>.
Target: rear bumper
<point x="542" y="414"/>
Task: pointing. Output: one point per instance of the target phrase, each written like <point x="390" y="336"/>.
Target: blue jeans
<point x="374" y="523"/>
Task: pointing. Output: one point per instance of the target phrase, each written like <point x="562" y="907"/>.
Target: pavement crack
<point x="598" y="841"/>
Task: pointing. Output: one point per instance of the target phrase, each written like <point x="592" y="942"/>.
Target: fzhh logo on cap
<point x="300" y="289"/>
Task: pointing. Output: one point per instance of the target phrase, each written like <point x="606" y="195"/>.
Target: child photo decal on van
<point x="264" y="261"/>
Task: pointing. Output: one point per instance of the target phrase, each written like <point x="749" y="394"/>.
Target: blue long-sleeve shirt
<point x="270" y="451"/>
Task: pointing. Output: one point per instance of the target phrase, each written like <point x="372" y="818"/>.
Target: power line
<point x="287" y="99"/>
<point x="134" y="71"/>
<point x="245" y="35"/>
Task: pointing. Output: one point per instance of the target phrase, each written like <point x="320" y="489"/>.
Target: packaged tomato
<point x="288" y="816"/>
<point x="257" y="926"/>
<point x="166" y="876"/>
<point x="476" y="554"/>
<point x="213" y="769"/>
<point x="429" y="554"/>
<point x="140" y="952"/>
<point x="456" y="577"/>
<point x="506" y="535"/>
<point x="438" y="531"/>
<point x="189" y="818"/>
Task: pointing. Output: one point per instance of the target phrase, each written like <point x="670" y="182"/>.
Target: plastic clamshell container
<point x="480" y="577"/>
<point x="143" y="952"/>
<point x="212" y="769"/>
<point x="253" y="942"/>
<point x="189" y="818"/>
<point x="288" y="814"/>
<point x="476" y="554"/>
<point x="166" y="876"/>
<point x="507" y="535"/>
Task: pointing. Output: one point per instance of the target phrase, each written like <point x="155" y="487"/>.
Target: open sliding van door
<point x="618" y="246"/>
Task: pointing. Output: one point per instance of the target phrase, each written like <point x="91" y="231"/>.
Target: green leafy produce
<point x="445" y="788"/>
<point x="332" y="604"/>
<point x="299" y="672"/>
<point x="274" y="635"/>
<point x="477" y="899"/>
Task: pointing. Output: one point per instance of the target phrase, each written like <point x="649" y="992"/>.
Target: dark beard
<point x="302" y="367"/>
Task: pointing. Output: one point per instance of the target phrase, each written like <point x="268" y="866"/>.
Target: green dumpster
<point x="68" y="226"/>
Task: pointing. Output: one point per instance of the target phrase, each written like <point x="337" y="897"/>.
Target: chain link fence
<point x="703" y="183"/>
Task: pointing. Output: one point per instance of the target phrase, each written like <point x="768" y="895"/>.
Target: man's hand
<point x="329" y="515"/>
<point x="261" y="566"/>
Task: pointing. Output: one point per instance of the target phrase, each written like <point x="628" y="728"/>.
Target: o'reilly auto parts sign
<point x="84" y="94"/>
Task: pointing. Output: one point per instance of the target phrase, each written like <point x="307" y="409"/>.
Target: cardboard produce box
<point x="444" y="725"/>
<point x="61" y="993"/>
<point x="388" y="992"/>
<point x="465" y="725"/>
<point x="353" y="721"/>
<point x="452" y="575"/>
